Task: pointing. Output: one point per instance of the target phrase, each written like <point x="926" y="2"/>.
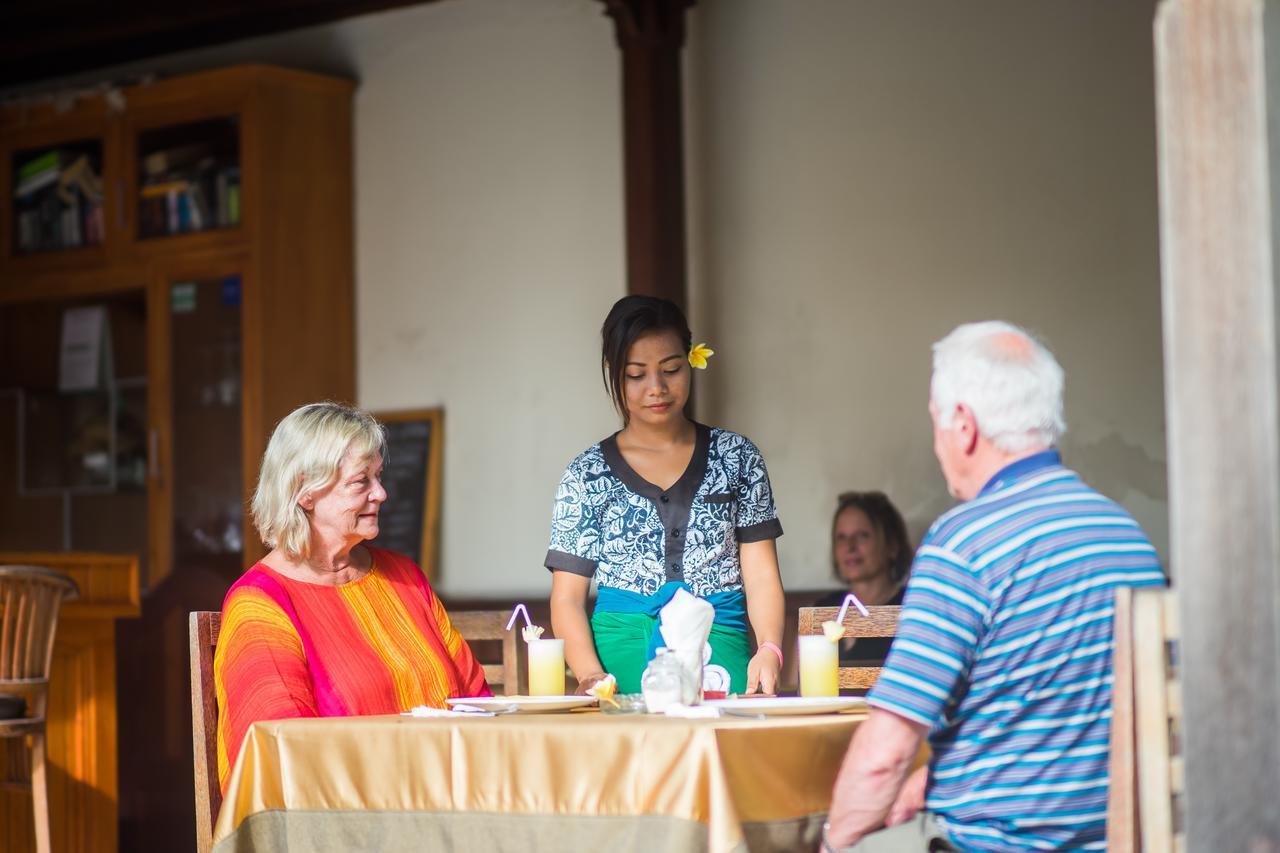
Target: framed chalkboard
<point x="409" y="521"/>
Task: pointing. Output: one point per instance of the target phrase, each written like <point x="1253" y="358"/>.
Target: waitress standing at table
<point x="664" y="504"/>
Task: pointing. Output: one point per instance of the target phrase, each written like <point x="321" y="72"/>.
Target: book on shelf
<point x="36" y="182"/>
<point x="45" y="161"/>
<point x="37" y="173"/>
<point x="175" y="159"/>
<point x="160" y="190"/>
<point x="79" y="175"/>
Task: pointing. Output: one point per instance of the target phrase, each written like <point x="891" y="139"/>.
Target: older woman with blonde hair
<point x="325" y="625"/>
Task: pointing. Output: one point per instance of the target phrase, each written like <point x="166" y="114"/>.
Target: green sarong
<point x="622" y="642"/>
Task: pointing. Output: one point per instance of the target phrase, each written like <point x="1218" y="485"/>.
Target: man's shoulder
<point x="1051" y="498"/>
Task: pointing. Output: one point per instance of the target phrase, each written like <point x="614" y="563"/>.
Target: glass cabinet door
<point x="188" y="177"/>
<point x="57" y="198"/>
<point x="73" y="424"/>
<point x="207" y="488"/>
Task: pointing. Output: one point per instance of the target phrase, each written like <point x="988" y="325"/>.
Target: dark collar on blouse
<point x="673" y="504"/>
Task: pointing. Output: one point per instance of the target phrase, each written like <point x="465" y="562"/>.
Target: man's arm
<point x="874" y="769"/>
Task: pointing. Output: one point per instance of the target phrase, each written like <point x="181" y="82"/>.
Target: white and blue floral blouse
<point x="611" y="523"/>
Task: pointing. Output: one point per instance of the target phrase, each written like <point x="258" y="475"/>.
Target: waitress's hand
<point x="762" y="672"/>
<point x="588" y="682"/>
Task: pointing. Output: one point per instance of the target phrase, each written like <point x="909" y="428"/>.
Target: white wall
<point x="863" y="176"/>
<point x="489" y="235"/>
<point x="869" y="175"/>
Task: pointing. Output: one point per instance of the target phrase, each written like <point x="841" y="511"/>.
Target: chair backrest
<point x="1145" y="802"/>
<point x="881" y="622"/>
<point x="203" y="627"/>
<point x="30" y="599"/>
<point x="475" y="625"/>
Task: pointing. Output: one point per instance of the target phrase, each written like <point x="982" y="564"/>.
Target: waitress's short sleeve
<point x="757" y="514"/>
<point x="575" y="529"/>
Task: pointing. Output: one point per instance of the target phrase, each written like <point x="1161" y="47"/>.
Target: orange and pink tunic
<point x="378" y="645"/>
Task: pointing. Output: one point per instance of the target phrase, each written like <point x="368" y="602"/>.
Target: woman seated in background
<point x="325" y="626"/>
<point x="871" y="555"/>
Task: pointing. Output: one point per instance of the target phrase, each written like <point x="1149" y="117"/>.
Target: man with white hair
<point x="1003" y="651"/>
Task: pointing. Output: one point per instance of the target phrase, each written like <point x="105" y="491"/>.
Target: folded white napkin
<point x="685" y="622"/>
<point x="455" y="711"/>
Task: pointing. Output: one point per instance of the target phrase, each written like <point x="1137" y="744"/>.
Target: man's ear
<point x="966" y="424"/>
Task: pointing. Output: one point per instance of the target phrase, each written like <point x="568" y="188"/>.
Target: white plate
<point x="784" y="706"/>
<point x="524" y="704"/>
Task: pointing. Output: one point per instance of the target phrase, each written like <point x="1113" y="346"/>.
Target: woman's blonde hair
<point x="304" y="454"/>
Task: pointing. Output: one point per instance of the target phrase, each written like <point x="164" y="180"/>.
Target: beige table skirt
<point x="575" y="781"/>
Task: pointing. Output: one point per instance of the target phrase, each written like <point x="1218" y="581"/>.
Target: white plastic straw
<point x="520" y="608"/>
<point x="844" y="608"/>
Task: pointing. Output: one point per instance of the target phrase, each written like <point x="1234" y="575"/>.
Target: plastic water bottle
<point x="662" y="682"/>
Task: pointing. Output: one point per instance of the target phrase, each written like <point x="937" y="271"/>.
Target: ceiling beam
<point x="40" y="39"/>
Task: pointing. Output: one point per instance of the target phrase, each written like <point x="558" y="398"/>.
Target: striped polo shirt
<point x="1004" y="651"/>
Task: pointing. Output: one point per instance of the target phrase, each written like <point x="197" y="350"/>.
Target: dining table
<point x="527" y="782"/>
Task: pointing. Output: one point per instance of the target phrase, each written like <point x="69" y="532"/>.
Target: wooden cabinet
<point x="242" y="320"/>
<point x="208" y="219"/>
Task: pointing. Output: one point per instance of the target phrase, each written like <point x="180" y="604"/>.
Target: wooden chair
<point x="203" y="627"/>
<point x="30" y="601"/>
<point x="479" y="625"/>
<point x="882" y="622"/>
<point x="1145" y="806"/>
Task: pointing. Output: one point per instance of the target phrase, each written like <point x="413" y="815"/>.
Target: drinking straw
<point x="520" y="608"/>
<point x="848" y="599"/>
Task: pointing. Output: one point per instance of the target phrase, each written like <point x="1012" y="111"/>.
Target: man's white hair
<point x="1008" y="379"/>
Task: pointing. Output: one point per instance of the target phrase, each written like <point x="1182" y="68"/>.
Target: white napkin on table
<point x="685" y="622"/>
<point x="457" y="711"/>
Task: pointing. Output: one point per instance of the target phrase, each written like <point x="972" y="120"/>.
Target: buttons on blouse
<point x="664" y="499"/>
<point x="676" y="532"/>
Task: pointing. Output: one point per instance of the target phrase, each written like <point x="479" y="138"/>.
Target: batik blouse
<point x="381" y="644"/>
<point x="612" y="524"/>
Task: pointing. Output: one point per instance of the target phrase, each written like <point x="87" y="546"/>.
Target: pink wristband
<point x="773" y="647"/>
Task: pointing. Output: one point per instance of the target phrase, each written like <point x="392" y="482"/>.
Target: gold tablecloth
<point x="576" y="781"/>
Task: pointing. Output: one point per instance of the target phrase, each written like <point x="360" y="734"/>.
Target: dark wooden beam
<point x="650" y="34"/>
<point x="52" y="38"/>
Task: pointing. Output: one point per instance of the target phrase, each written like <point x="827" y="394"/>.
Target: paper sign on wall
<point x="84" y="360"/>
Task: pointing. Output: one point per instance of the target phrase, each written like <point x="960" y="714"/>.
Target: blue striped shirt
<point x="1004" y="651"/>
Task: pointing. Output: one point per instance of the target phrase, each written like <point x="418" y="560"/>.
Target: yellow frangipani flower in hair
<point x="698" y="356"/>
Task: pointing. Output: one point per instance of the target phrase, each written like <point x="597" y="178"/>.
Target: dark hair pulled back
<point x="630" y="318"/>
